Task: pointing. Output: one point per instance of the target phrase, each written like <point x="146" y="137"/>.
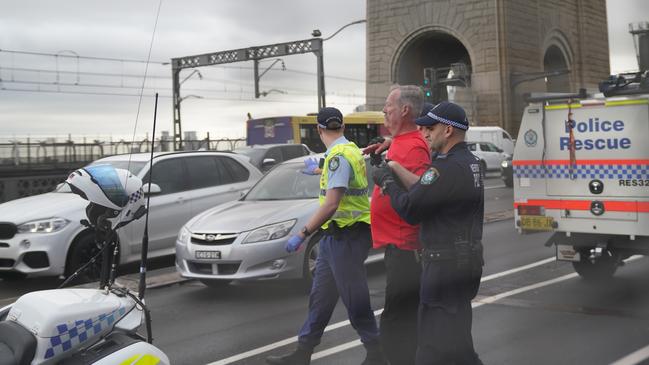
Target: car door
<point x="168" y="210"/>
<point x="210" y="182"/>
<point x="276" y="154"/>
<point x="294" y="151"/>
<point x="491" y="155"/>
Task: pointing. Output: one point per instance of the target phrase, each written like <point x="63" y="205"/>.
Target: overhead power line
<point x="193" y="90"/>
<point x="129" y="75"/>
<point x="247" y="99"/>
<point x="163" y="63"/>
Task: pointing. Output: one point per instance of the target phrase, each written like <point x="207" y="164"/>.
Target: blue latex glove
<point x="294" y="243"/>
<point x="310" y="166"/>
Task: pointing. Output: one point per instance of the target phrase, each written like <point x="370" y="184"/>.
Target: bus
<point x="360" y="128"/>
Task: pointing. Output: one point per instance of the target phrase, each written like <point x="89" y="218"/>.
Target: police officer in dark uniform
<point x="448" y="203"/>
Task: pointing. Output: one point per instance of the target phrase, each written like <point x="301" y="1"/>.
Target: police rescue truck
<point x="581" y="170"/>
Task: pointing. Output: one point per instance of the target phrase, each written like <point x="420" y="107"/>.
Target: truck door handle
<point x="180" y="200"/>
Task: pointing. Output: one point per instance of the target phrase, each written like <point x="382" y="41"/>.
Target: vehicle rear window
<point x="168" y="174"/>
<point x="291" y="152"/>
<point x="203" y="172"/>
<point x="236" y="172"/>
<point x="286" y="182"/>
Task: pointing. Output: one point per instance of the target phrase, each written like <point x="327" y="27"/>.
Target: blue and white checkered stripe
<point x="73" y="333"/>
<point x="583" y="171"/>
<point x="135" y="196"/>
<point x="448" y="121"/>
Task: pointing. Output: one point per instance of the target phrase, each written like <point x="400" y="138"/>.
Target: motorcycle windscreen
<point x="108" y="181"/>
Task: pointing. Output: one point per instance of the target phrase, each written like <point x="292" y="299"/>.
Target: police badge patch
<point x="430" y="176"/>
<point x="334" y="163"/>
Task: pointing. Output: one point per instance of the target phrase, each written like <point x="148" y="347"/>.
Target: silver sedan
<point x="245" y="239"/>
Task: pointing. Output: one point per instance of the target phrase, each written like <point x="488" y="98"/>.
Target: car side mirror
<point x="268" y="162"/>
<point x="59" y="185"/>
<point x="153" y="189"/>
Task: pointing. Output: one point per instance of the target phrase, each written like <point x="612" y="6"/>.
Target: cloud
<point x="124" y="29"/>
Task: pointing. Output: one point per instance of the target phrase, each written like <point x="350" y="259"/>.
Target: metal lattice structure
<point x="254" y="54"/>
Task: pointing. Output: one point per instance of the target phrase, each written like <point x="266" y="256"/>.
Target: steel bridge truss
<point x="254" y="54"/>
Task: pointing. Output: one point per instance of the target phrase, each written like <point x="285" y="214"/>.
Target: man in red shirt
<point x="399" y="319"/>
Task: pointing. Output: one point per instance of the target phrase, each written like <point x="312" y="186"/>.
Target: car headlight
<point x="505" y="164"/>
<point x="47" y="225"/>
<point x="183" y="235"/>
<point x="270" y="232"/>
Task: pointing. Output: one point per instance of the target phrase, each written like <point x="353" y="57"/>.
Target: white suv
<point x="42" y="236"/>
<point x="490" y="155"/>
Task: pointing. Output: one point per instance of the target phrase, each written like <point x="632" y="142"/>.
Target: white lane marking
<point x="634" y="358"/>
<point x="281" y="343"/>
<point x="354" y="343"/>
<point x="475" y="304"/>
<point x="516" y="269"/>
<point x="377" y="312"/>
<point x="488" y="300"/>
<point x="494" y="187"/>
<point x="336" y="349"/>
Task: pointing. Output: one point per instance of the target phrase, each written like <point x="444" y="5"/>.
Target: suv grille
<point x="7" y="230"/>
<point x="213" y="239"/>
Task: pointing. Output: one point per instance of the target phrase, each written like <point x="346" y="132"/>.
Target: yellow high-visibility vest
<point x="355" y="204"/>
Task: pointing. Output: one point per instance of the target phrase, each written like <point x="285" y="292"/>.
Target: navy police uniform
<point x="448" y="203"/>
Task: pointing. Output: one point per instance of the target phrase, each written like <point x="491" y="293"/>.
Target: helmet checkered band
<point x="447" y="121"/>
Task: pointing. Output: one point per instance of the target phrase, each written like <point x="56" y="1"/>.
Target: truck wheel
<point x="602" y="268"/>
<point x="509" y="182"/>
<point x="310" y="256"/>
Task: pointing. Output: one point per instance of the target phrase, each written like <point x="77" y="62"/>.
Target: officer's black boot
<point x="301" y="356"/>
<point x="375" y="355"/>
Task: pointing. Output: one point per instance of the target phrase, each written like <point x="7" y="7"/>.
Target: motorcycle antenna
<point x="145" y="236"/>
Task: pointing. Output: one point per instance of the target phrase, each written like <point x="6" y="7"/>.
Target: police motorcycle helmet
<point x="115" y="195"/>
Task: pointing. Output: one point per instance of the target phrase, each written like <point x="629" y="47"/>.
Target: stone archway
<point x="557" y="57"/>
<point x="553" y="60"/>
<point x="450" y="59"/>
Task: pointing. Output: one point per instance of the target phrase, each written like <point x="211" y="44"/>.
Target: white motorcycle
<point x="88" y="326"/>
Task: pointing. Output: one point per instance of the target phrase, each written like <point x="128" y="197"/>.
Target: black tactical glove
<point x="382" y="176"/>
<point x="376" y="140"/>
<point x="376" y="159"/>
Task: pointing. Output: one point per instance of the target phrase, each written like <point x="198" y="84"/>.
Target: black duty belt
<point x="437" y="254"/>
<point x="334" y="230"/>
<point x="459" y="251"/>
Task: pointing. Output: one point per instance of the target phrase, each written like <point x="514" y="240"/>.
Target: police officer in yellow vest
<point x="344" y="217"/>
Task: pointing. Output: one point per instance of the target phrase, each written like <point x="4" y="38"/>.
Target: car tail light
<point x="531" y="210"/>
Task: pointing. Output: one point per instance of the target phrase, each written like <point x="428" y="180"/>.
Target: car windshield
<point x="286" y="182"/>
<point x="133" y="166"/>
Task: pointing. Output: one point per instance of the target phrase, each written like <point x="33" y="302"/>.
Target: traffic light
<point x="429" y="81"/>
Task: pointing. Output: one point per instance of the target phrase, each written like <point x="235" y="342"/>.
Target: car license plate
<point x="208" y="254"/>
<point x="536" y="222"/>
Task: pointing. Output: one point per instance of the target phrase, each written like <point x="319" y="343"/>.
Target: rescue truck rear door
<point x="611" y="144"/>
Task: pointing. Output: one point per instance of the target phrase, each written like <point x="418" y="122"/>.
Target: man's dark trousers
<point x="399" y="318"/>
<point x="340" y="272"/>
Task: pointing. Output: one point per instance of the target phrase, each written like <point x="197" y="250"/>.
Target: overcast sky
<point x="49" y="95"/>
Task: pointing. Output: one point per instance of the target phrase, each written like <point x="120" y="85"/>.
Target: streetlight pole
<point x="320" y="55"/>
